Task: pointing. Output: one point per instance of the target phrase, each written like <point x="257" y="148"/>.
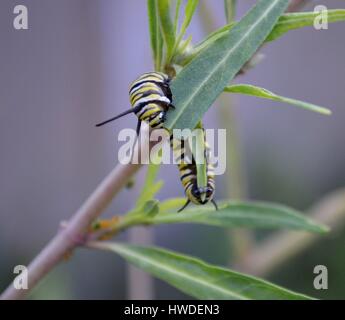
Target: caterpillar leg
<point x="138" y="127"/>
<point x="185" y="205"/>
<point x="215" y="204"/>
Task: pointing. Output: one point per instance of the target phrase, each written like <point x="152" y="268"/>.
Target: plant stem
<point x="71" y="236"/>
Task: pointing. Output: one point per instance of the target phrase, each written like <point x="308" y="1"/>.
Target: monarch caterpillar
<point x="188" y="175"/>
<point x="150" y="97"/>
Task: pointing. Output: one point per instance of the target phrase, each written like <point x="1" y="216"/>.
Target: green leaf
<point x="230" y="9"/>
<point x="177" y="13"/>
<point x="263" y="93"/>
<point x="167" y="26"/>
<point x="211" y="38"/>
<point x="183" y="52"/>
<point x="155" y="33"/>
<point x="243" y="214"/>
<point x="197" y="278"/>
<point x="291" y="21"/>
<point x="197" y="86"/>
<point x="188" y="14"/>
<point x="287" y="22"/>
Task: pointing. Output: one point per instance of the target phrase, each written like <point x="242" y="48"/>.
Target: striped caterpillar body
<point x="151" y="98"/>
<point x="188" y="175"/>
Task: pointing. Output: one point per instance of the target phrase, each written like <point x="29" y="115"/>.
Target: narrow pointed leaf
<point x="244" y="214"/>
<point x="197" y="86"/>
<point x="263" y="93"/>
<point x="197" y="278"/>
<point x="188" y="14"/>
<point x="287" y="22"/>
<point x="155" y="33"/>
<point x="291" y="21"/>
<point x="152" y="18"/>
<point x="177" y="14"/>
<point x="230" y="9"/>
<point x="167" y="26"/>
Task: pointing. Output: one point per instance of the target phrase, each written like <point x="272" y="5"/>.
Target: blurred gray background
<point x="72" y="68"/>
